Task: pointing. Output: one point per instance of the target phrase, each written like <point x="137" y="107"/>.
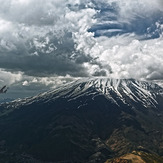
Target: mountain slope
<point x="89" y="120"/>
<point x="137" y="157"/>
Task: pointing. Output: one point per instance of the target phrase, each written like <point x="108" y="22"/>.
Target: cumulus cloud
<point x="43" y="46"/>
<point x="49" y="40"/>
<point x="8" y="78"/>
<point x="128" y="38"/>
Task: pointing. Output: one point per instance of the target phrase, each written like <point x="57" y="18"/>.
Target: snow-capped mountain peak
<point x="121" y="89"/>
<point x="126" y="91"/>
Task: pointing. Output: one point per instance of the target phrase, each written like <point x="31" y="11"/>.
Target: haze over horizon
<point x="47" y="43"/>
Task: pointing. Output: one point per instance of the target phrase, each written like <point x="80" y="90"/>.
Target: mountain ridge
<point x="106" y="86"/>
<point x="85" y="121"/>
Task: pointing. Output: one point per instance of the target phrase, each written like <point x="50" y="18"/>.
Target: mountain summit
<point x="115" y="90"/>
<point x="89" y="120"/>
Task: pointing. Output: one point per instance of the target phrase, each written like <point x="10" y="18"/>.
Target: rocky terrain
<point x="90" y="120"/>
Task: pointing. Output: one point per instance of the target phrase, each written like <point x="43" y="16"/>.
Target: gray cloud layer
<point x="43" y="56"/>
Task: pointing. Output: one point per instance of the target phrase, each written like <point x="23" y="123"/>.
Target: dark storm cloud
<point x="100" y="73"/>
<point x="44" y="56"/>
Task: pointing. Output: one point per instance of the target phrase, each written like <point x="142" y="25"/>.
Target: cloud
<point x="8" y="78"/>
<point x="127" y="58"/>
<point x="120" y="17"/>
<point x="127" y="40"/>
<point x="30" y="85"/>
<point x="46" y="40"/>
<point x="42" y="57"/>
<point x="40" y="41"/>
<point x="31" y="12"/>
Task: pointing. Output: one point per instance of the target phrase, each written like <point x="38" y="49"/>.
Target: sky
<point x="44" y="44"/>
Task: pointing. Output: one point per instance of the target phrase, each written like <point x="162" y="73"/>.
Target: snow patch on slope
<point x="115" y="90"/>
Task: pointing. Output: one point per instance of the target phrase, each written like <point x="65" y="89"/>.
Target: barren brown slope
<point x="137" y="157"/>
